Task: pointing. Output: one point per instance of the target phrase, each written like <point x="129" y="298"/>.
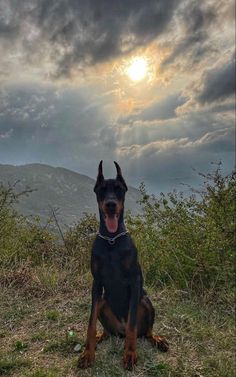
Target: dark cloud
<point x="195" y="19"/>
<point x="150" y="19"/>
<point x="224" y="107"/>
<point x="79" y="32"/>
<point x="9" y="22"/>
<point x="166" y="164"/>
<point x="159" y="110"/>
<point x="163" y="109"/>
<point x="51" y="125"/>
<point x="218" y="141"/>
<point x="162" y="152"/>
<point x="192" y="126"/>
<point x="218" y="83"/>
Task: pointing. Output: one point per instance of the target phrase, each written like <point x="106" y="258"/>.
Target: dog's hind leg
<point x="146" y="316"/>
<point x="158" y="341"/>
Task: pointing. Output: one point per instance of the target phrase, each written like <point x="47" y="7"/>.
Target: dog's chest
<point x="114" y="268"/>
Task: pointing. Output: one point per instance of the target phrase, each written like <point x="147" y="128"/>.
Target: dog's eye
<point x="118" y="188"/>
<point x="119" y="191"/>
<point x="103" y="190"/>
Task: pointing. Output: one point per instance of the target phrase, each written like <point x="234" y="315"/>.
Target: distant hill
<point x="58" y="188"/>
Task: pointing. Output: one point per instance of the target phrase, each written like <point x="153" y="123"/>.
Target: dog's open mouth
<point x="111" y="222"/>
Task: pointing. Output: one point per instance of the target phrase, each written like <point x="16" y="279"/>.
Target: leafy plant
<point x="79" y="241"/>
<point x="188" y="242"/>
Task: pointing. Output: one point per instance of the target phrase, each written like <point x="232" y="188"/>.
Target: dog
<point x="119" y="300"/>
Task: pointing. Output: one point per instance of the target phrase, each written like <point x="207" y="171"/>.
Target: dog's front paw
<point x="86" y="359"/>
<point x="129" y="360"/>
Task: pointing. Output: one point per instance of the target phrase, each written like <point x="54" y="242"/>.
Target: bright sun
<point x="137" y="69"/>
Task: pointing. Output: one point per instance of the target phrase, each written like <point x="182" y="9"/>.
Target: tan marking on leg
<point x="88" y="356"/>
<point x="130" y="355"/>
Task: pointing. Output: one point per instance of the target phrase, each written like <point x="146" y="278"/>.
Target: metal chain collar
<point x="111" y="240"/>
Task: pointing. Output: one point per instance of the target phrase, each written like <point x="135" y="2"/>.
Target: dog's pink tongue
<point x="111" y="223"/>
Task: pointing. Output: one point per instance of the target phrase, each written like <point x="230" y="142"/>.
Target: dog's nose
<point x="111" y="205"/>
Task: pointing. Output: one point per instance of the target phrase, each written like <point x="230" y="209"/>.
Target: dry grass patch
<point x="38" y="336"/>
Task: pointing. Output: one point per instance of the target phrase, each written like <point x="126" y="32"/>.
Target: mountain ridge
<point x="64" y="190"/>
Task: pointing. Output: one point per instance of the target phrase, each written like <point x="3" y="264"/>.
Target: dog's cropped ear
<point x="119" y="176"/>
<point x="100" y="177"/>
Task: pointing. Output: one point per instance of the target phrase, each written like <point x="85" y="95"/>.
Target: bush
<point x="188" y="242"/>
<point x="79" y="240"/>
<point x="21" y="239"/>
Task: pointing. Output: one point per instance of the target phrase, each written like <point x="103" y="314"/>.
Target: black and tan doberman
<point x="119" y="301"/>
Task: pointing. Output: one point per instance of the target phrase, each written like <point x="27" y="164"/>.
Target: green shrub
<point x="21" y="239"/>
<point x="188" y="242"/>
<point x="79" y="240"/>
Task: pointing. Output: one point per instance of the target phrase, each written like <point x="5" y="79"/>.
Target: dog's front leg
<point x="88" y="356"/>
<point x="130" y="355"/>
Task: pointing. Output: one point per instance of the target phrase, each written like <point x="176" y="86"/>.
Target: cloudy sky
<point x="149" y="84"/>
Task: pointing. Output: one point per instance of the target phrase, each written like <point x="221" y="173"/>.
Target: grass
<point x="9" y="364"/>
<point x="38" y="336"/>
<point x="20" y="346"/>
<point x="42" y="373"/>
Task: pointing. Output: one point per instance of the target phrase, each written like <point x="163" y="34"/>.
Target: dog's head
<point x="110" y="197"/>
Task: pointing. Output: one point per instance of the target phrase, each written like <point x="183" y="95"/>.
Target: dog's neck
<point x="103" y="229"/>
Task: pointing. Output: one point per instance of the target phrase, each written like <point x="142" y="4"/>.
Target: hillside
<point x="66" y="191"/>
